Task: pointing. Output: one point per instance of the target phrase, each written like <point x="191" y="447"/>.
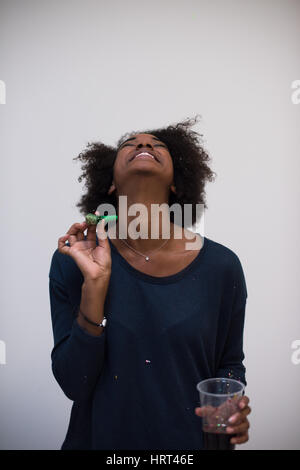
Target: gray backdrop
<point x="77" y="71"/>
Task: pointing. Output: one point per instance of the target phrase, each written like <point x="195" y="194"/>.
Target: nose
<point x="141" y="145"/>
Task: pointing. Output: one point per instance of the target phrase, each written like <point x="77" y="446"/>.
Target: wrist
<point x="100" y="282"/>
<point x="92" y="330"/>
<point x="98" y="324"/>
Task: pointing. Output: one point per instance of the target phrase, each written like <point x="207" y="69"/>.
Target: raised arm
<point x="79" y="347"/>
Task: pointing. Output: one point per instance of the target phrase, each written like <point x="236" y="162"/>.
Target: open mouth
<point x="144" y="156"/>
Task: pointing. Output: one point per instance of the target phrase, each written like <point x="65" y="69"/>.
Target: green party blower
<point x="93" y="219"/>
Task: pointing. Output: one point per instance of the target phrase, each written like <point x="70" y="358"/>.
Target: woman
<point x="169" y="316"/>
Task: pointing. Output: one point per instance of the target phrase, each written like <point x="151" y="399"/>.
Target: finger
<point x="240" y="439"/>
<point x="62" y="248"/>
<point x="205" y="411"/>
<point x="80" y="234"/>
<point x="101" y="233"/>
<point x="240" y="429"/>
<point x="243" y="402"/>
<point x="91" y="232"/>
<point x="238" y="417"/>
<point x="74" y="231"/>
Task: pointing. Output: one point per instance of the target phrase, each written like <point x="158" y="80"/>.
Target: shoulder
<point x="224" y="256"/>
<point x="222" y="252"/>
<point x="228" y="260"/>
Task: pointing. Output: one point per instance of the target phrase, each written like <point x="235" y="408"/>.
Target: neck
<point x="148" y="222"/>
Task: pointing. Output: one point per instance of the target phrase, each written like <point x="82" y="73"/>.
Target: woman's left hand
<point x="239" y="423"/>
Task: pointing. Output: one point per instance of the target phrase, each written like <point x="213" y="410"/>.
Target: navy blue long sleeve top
<point x="134" y="386"/>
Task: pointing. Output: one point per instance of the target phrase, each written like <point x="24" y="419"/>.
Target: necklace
<point x="145" y="256"/>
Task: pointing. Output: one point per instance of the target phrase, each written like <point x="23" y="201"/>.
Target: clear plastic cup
<point x="219" y="399"/>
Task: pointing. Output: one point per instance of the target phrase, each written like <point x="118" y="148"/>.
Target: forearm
<point x="78" y="361"/>
<point x="93" y="294"/>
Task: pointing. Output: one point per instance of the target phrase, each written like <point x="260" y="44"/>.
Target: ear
<point x="173" y="188"/>
<point x="111" y="189"/>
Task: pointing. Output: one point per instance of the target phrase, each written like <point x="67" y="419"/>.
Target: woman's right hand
<point x="93" y="261"/>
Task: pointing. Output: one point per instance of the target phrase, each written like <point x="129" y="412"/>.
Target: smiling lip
<point x="143" y="156"/>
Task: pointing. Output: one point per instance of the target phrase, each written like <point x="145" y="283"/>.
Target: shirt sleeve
<point x="77" y="357"/>
<point x="231" y="364"/>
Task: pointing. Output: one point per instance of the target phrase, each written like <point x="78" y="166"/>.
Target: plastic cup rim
<point x="220" y="394"/>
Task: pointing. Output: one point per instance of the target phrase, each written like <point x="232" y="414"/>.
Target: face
<point x="129" y="166"/>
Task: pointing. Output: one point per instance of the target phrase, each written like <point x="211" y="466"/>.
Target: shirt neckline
<point x="160" y="279"/>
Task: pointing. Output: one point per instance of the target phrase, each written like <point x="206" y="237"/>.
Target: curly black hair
<point x="190" y="163"/>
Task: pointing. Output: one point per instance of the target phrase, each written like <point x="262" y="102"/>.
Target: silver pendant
<point x="147" y="258"/>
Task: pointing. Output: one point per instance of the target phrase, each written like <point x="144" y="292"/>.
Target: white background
<point x="80" y="71"/>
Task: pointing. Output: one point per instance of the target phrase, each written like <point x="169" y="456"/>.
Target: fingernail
<point x="232" y="419"/>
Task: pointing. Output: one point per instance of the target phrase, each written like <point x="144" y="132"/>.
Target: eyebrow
<point x="133" y="138"/>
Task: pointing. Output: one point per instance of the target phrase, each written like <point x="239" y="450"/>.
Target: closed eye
<point x="156" y="145"/>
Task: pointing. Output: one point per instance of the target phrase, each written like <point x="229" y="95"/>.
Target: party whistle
<point x="93" y="219"/>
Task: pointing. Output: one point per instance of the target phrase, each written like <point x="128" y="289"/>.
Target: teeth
<point x="145" y="153"/>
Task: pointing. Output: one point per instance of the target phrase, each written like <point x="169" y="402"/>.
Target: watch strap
<point x="102" y="324"/>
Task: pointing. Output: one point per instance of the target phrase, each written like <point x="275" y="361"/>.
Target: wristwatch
<point x="103" y="324"/>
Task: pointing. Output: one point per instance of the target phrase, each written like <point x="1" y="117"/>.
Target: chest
<point x="160" y="263"/>
<point x="178" y="316"/>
